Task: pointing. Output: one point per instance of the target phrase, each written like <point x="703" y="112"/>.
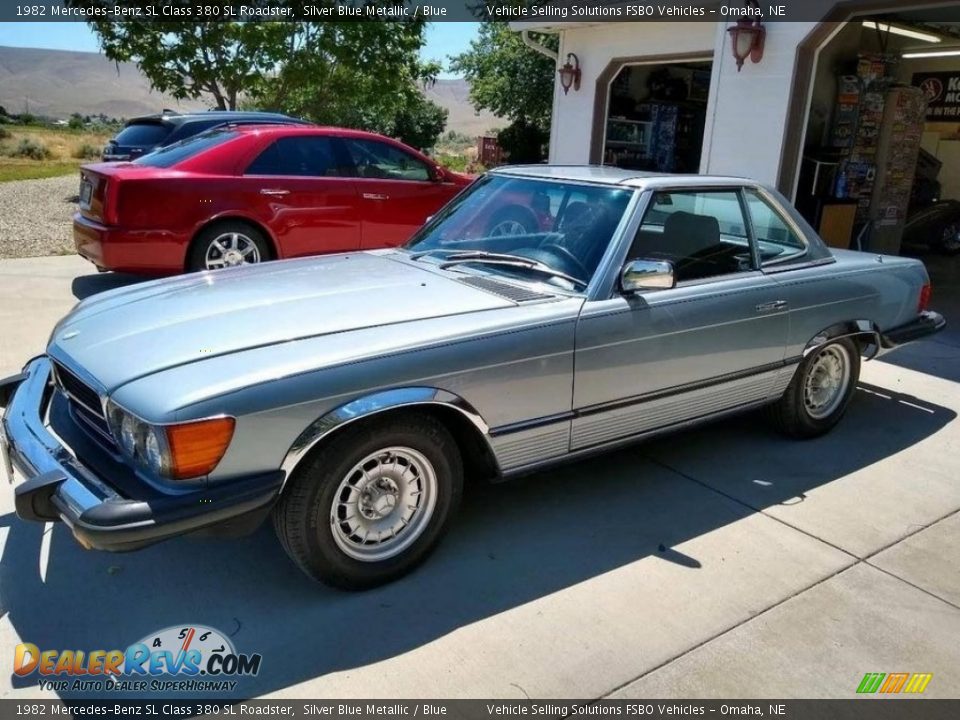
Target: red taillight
<point x="110" y="208"/>
<point x="925" y="292"/>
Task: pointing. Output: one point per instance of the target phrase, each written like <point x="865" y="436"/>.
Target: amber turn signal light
<point x="197" y="447"/>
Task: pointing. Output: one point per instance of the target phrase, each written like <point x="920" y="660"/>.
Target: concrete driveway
<point x="722" y="562"/>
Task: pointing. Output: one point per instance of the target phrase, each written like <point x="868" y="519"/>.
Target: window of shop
<point x="655" y="116"/>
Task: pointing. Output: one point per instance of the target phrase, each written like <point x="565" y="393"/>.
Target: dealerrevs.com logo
<point x="185" y="658"/>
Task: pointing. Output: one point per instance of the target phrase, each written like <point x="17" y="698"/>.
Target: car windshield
<point x="178" y="152"/>
<point x="526" y="228"/>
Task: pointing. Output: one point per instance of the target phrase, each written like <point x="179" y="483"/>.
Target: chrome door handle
<point x="772" y="306"/>
<point x="375" y="196"/>
<point x="274" y="191"/>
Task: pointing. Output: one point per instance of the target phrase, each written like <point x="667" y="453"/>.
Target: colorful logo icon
<point x="894" y="683"/>
<point x="180" y="650"/>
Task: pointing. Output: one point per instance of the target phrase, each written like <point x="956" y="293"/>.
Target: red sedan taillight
<point x="110" y="214"/>
<point x="925" y="293"/>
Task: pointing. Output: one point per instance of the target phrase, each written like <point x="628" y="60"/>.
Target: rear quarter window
<point x="185" y="149"/>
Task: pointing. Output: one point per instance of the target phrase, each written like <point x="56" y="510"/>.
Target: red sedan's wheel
<point x="228" y="244"/>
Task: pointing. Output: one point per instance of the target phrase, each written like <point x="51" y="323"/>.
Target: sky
<point x="443" y="39"/>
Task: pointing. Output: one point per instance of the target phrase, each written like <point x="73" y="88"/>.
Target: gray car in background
<point x="545" y="314"/>
<point x="142" y="135"/>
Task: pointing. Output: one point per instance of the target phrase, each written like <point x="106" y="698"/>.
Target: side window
<point x="702" y="233"/>
<point x="776" y="241"/>
<point x="304" y="156"/>
<point x="374" y="159"/>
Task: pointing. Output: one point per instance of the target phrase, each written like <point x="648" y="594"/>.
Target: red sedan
<point x="246" y="194"/>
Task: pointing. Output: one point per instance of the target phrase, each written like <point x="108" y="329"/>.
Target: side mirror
<point x="640" y="275"/>
<point x="439" y="174"/>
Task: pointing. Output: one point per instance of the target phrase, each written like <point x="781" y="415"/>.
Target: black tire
<point x="513" y="214"/>
<point x="196" y="257"/>
<point x="791" y="415"/>
<point x="302" y="516"/>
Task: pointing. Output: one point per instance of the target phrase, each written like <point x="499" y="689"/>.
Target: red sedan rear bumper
<point x="145" y="252"/>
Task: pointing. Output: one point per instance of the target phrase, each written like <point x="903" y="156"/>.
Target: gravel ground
<point x="35" y="216"/>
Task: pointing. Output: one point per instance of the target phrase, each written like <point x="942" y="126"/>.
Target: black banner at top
<point x="553" y="13"/>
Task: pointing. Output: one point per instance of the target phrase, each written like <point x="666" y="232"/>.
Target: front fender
<point x="373" y="404"/>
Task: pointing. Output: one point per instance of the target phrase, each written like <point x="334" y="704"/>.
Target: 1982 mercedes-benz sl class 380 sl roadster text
<point x="544" y="314"/>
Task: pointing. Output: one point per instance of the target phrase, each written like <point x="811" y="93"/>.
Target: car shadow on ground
<point x="512" y="544"/>
<point x="84" y="286"/>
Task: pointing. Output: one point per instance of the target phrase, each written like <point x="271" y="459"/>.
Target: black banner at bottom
<point x="872" y="708"/>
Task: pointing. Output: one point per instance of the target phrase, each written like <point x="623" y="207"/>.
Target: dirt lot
<point x="35" y="216"/>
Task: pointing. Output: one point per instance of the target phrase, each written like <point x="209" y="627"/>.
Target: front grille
<point x="95" y="423"/>
<point x="84" y="404"/>
<point x="78" y="391"/>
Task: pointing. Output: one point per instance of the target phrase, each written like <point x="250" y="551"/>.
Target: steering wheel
<point x="567" y="258"/>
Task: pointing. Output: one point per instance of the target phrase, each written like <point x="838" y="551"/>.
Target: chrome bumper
<point x="925" y="324"/>
<point x="36" y="454"/>
<point x="60" y="487"/>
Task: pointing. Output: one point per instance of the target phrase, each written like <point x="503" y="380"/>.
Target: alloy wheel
<point x="230" y="250"/>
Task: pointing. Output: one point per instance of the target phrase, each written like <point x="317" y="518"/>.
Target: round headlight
<point x="153" y="452"/>
<point x="128" y="434"/>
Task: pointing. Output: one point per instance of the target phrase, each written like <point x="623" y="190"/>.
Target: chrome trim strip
<point x="624" y="421"/>
<point x="865" y="328"/>
<point x="588" y="410"/>
<point x="531" y="424"/>
<point x="367" y="406"/>
<point x="584" y="452"/>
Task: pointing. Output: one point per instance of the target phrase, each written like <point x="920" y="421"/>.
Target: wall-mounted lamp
<point x="747" y="37"/>
<point x="570" y="74"/>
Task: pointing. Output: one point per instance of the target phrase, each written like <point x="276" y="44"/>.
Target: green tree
<point x="420" y="123"/>
<point x="523" y="141"/>
<point x="190" y="59"/>
<point x="508" y="78"/>
<point x="345" y="72"/>
<point x="355" y="74"/>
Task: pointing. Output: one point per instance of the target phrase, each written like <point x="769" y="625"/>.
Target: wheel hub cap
<point x="232" y="258"/>
<point x="508" y="228"/>
<point x="827" y="381"/>
<point x="383" y="504"/>
<point x="379" y="499"/>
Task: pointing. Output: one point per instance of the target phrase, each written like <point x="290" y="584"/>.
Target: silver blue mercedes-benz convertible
<point x="544" y="314"/>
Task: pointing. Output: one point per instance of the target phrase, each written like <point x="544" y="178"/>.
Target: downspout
<point x="555" y="57"/>
<point x="534" y="45"/>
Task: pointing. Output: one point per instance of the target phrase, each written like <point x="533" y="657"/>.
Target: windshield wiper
<point x="491" y="258"/>
<point x="424" y="253"/>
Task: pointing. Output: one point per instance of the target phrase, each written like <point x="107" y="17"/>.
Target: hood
<point x="124" y="334"/>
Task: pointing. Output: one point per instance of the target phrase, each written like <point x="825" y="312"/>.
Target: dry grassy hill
<point x="57" y="83"/>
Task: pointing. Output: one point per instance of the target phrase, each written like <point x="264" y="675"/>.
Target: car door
<point x="713" y="342"/>
<point x="301" y="187"/>
<point x="398" y="191"/>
